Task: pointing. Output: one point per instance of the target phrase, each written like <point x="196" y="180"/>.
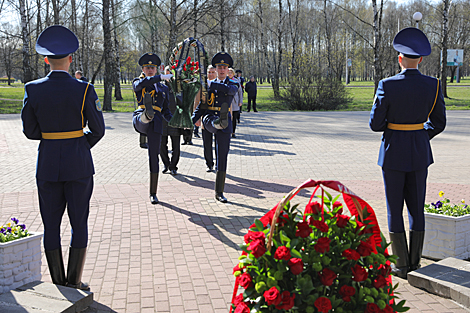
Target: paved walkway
<point x="178" y="256"/>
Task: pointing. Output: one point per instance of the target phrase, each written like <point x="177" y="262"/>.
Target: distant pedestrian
<point x="56" y="110"/>
<point x="409" y="109"/>
<point x="175" y="136"/>
<point x="252" y="90"/>
<point x="242" y="82"/>
<point x="153" y="99"/>
<point x="79" y="76"/>
<point x="237" y="101"/>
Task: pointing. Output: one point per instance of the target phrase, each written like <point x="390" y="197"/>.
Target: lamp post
<point x="417" y="17"/>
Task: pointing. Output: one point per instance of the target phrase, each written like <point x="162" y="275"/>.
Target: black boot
<point x="148" y="102"/>
<point x="222" y="121"/>
<point x="416" y="248"/>
<point x="400" y="249"/>
<point x="56" y="266"/>
<point x="143" y="141"/>
<point x="153" y="188"/>
<point x="219" y="186"/>
<point x="75" y="269"/>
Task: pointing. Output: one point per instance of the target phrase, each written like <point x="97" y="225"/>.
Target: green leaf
<point x="400" y="307"/>
<point x="284" y="237"/>
<point x="295" y="253"/>
<point x="259" y="225"/>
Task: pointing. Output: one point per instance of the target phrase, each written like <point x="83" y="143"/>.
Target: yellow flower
<point x="9" y="224"/>
<point x="441" y="193"/>
<point x="463" y="201"/>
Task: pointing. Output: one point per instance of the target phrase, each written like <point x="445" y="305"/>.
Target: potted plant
<point x="20" y="255"/>
<point x="319" y="260"/>
<point x="447" y="229"/>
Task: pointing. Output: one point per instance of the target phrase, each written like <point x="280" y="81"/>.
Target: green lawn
<point x="459" y="98"/>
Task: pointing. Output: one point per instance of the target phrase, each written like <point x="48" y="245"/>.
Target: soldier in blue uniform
<point x="153" y="99"/>
<point x="409" y="109"/>
<point x="216" y="116"/>
<point x="56" y="110"/>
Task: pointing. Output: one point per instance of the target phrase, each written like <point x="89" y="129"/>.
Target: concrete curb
<point x="449" y="278"/>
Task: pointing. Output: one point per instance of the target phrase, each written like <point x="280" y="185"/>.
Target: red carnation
<point x="385" y="269"/>
<point x="322" y="245"/>
<point x="191" y="68"/>
<point x="242" y="308"/>
<point x="287" y="301"/>
<point x="388" y="309"/>
<point x="327" y="277"/>
<point x="173" y="67"/>
<point x="320" y="225"/>
<point x="245" y="280"/>
<point x="313" y="208"/>
<point x="192" y="63"/>
<point x="323" y="304"/>
<point x="359" y="273"/>
<point x="238" y="299"/>
<point x="342" y="220"/>
<point x="272" y="296"/>
<point x="364" y="249"/>
<point x="380" y="282"/>
<point x="296" y="266"/>
<point x="254" y="235"/>
<point x="257" y="248"/>
<point x="372" y="308"/>
<point x="184" y="67"/>
<point x="282" y="253"/>
<point x="303" y="230"/>
<point x="351" y="254"/>
<point x="188" y="60"/>
<point x="177" y="62"/>
<point x="347" y="292"/>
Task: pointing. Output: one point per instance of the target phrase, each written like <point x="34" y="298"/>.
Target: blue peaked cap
<point x="222" y="58"/>
<point x="412" y="43"/>
<point x="149" y="59"/>
<point x="56" y="42"/>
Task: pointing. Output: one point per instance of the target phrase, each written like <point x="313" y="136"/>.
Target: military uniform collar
<point x="411" y="71"/>
<point x="58" y="74"/>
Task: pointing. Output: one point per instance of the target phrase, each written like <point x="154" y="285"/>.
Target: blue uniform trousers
<point x="222" y="142"/>
<point x="153" y="140"/>
<point x="411" y="188"/>
<point x="207" y="143"/>
<point x="53" y="197"/>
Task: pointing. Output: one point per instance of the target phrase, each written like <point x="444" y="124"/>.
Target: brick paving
<point x="178" y="256"/>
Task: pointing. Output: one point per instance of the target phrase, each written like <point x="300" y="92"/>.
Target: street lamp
<point x="417" y="17"/>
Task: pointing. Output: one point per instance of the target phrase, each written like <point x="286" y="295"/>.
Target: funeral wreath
<point x="320" y="260"/>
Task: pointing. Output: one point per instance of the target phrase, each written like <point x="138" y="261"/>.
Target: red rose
<point x="242" y="308"/>
<point x="372" y="308"/>
<point x="188" y="60"/>
<point x="337" y="204"/>
<point x="385" y="269"/>
<point x="323" y="304"/>
<point x="272" y="296"/>
<point x="192" y="63"/>
<point x="197" y="63"/>
<point x="365" y="249"/>
<point x="380" y="282"/>
<point x="287" y="301"/>
<point x="191" y="68"/>
<point x="173" y="67"/>
<point x="303" y="230"/>
<point x="347" y="292"/>
<point x="351" y="254"/>
<point x="359" y="273"/>
<point x="176" y="62"/>
<point x="282" y="253"/>
<point x="245" y="280"/>
<point x="184" y="67"/>
<point x="254" y="235"/>
<point x="320" y="225"/>
<point x="342" y="220"/>
<point x="257" y="248"/>
<point x="238" y="299"/>
<point x="296" y="266"/>
<point x="388" y="309"/>
<point x="313" y="208"/>
<point x="322" y="245"/>
<point x="327" y="277"/>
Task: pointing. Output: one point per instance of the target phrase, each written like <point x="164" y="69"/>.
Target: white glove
<point x="166" y="76"/>
<point x="208" y="83"/>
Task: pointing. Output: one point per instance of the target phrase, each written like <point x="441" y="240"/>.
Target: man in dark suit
<point x="153" y="99"/>
<point x="56" y="109"/>
<point x="216" y="116"/>
<point x="409" y="109"/>
<point x="79" y="76"/>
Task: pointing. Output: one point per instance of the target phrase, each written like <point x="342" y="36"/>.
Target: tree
<point x="108" y="58"/>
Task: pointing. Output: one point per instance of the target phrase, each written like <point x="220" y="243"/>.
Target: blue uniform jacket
<point x="160" y="94"/>
<point x="219" y="93"/>
<point x="60" y="103"/>
<point x="407" y="98"/>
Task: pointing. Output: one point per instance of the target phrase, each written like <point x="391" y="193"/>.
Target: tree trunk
<point x="27" y="73"/>
<point x="55" y="8"/>
<point x="117" y="62"/>
<point x="378" y="72"/>
<point x="172" y="34"/>
<point x="264" y="43"/>
<point x="108" y="58"/>
<point x="444" y="38"/>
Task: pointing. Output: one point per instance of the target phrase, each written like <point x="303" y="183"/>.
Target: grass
<point x="459" y="97"/>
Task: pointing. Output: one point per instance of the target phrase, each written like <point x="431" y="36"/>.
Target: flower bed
<point x="319" y="260"/>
